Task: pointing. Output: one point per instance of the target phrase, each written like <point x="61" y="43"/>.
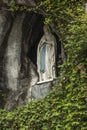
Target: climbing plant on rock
<point x="65" y="107"/>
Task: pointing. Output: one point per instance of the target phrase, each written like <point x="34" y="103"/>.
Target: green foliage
<point x="62" y="109"/>
<point x="12" y="2"/>
<point x="65" y="108"/>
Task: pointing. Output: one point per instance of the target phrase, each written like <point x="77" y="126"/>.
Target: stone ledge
<point x="41" y="82"/>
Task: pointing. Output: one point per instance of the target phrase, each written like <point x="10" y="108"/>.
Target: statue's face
<point x="46" y="29"/>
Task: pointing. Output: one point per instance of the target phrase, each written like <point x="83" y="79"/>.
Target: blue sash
<point x="43" y="58"/>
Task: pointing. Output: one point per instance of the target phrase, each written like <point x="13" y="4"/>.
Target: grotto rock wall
<point x="18" y="42"/>
<point x="20" y="35"/>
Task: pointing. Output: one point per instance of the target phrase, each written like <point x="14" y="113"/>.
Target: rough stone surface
<point x="21" y="72"/>
<point x="13" y="53"/>
<point x="4" y="24"/>
<point x="19" y="39"/>
<point x="41" y="90"/>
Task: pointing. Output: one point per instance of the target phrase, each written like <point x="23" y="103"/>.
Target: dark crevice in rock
<point x="36" y="36"/>
<point x="32" y="33"/>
